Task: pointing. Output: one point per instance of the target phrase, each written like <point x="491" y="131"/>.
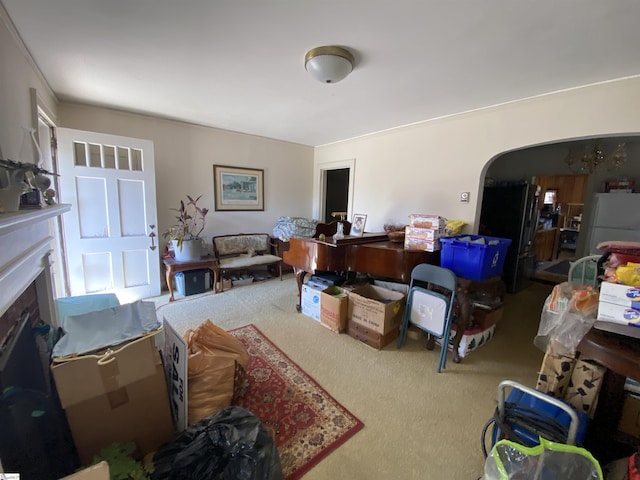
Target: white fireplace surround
<point x="26" y="245"/>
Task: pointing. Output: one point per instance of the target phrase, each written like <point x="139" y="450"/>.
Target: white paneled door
<point x="110" y="232"/>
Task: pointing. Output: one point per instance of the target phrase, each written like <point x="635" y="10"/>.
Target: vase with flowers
<point x="185" y="234"/>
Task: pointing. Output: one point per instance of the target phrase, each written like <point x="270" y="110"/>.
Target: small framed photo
<point x="357" y="225"/>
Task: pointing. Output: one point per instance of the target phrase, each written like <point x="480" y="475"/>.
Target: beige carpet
<point x="418" y="424"/>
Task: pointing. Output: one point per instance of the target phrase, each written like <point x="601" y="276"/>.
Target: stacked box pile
<point x="619" y="304"/>
<point x="424" y="232"/>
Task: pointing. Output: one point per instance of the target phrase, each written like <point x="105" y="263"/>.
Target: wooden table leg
<point x="463" y="319"/>
<point x="299" y="280"/>
<point x="216" y="272"/>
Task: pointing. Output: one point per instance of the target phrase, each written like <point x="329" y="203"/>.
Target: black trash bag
<point x="231" y="444"/>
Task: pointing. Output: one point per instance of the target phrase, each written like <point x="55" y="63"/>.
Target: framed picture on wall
<point x="357" y="224"/>
<point x="238" y="188"/>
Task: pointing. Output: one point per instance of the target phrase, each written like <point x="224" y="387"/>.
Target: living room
<point x="422" y="167"/>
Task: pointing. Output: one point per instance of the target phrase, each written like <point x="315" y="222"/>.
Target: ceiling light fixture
<point x="328" y="64"/>
<point x="594" y="157"/>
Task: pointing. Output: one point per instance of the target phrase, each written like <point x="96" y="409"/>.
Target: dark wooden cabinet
<point x="546" y="244"/>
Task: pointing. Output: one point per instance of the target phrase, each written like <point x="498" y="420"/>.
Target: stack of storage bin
<point x="424" y="232"/>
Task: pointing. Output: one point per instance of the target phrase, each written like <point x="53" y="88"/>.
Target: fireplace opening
<point x="35" y="440"/>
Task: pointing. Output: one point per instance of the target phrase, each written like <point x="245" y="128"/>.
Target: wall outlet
<point x="464" y="197"/>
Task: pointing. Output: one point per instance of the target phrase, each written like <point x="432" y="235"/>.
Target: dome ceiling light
<point x="329" y="64"/>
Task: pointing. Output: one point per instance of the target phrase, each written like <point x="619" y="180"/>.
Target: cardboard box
<point x="429" y="234"/>
<point x="224" y="284"/>
<point x="377" y="308"/>
<point x="630" y="417"/>
<point x="584" y="386"/>
<point x="411" y="243"/>
<point x="555" y="374"/>
<point x="99" y="471"/>
<point x="369" y="337"/>
<point x="310" y="300"/>
<point x="611" y="312"/>
<point x="483" y="319"/>
<point x="423" y="220"/>
<point x="624" y="295"/>
<point x="117" y="395"/>
<point x="334" y="307"/>
<point x="472" y="339"/>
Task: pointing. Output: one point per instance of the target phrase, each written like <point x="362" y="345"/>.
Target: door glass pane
<point x="95" y="155"/>
<point x="79" y="154"/>
<point x="123" y="158"/>
<point x="109" y="156"/>
<point x="136" y="159"/>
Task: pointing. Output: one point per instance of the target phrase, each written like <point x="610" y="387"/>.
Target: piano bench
<point x="243" y="251"/>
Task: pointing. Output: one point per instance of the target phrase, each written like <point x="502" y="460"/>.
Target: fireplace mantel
<point x="25" y="248"/>
<point x="16" y="220"/>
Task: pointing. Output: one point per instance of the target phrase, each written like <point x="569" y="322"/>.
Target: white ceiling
<point x="238" y="64"/>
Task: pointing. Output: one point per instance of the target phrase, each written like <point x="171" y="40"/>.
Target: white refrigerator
<point x="615" y="216"/>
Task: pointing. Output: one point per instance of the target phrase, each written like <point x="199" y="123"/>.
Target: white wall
<point x="18" y="76"/>
<point x="184" y="159"/>
<point x="423" y="168"/>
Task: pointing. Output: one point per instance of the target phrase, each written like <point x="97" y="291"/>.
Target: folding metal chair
<point x="585" y="270"/>
<point x="429" y="307"/>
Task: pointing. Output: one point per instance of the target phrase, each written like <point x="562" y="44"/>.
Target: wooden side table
<point x="466" y="286"/>
<point x="172" y="267"/>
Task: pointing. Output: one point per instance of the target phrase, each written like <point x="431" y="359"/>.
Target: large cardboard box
<point x="334" y="307"/>
<point x="310" y="300"/>
<point x="377" y="308"/>
<point x="369" y="337"/>
<point x="116" y="395"/>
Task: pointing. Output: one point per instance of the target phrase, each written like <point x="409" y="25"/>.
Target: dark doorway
<point x="336" y="192"/>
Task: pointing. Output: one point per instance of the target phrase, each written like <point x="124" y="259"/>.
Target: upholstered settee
<point x="242" y="251"/>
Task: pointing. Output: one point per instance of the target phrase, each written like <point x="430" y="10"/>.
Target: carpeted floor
<point x="418" y="424"/>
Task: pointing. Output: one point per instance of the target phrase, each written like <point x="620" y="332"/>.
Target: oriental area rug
<point x="306" y="422"/>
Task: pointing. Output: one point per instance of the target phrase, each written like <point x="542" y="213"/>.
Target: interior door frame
<point x="319" y="187"/>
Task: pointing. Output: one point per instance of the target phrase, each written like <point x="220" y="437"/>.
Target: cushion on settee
<point x="239" y="244"/>
<point x="244" y="261"/>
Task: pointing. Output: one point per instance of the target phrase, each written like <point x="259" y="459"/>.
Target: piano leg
<point x="300" y="274"/>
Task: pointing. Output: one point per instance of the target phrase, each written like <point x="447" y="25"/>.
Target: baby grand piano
<point x="370" y="253"/>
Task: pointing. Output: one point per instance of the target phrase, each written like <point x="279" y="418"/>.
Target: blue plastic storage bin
<point x="469" y="259"/>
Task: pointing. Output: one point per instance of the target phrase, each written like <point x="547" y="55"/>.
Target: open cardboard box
<point x="118" y="394"/>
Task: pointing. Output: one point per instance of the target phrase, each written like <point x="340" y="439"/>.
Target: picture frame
<point x="238" y="188"/>
<point x="357" y="224"/>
